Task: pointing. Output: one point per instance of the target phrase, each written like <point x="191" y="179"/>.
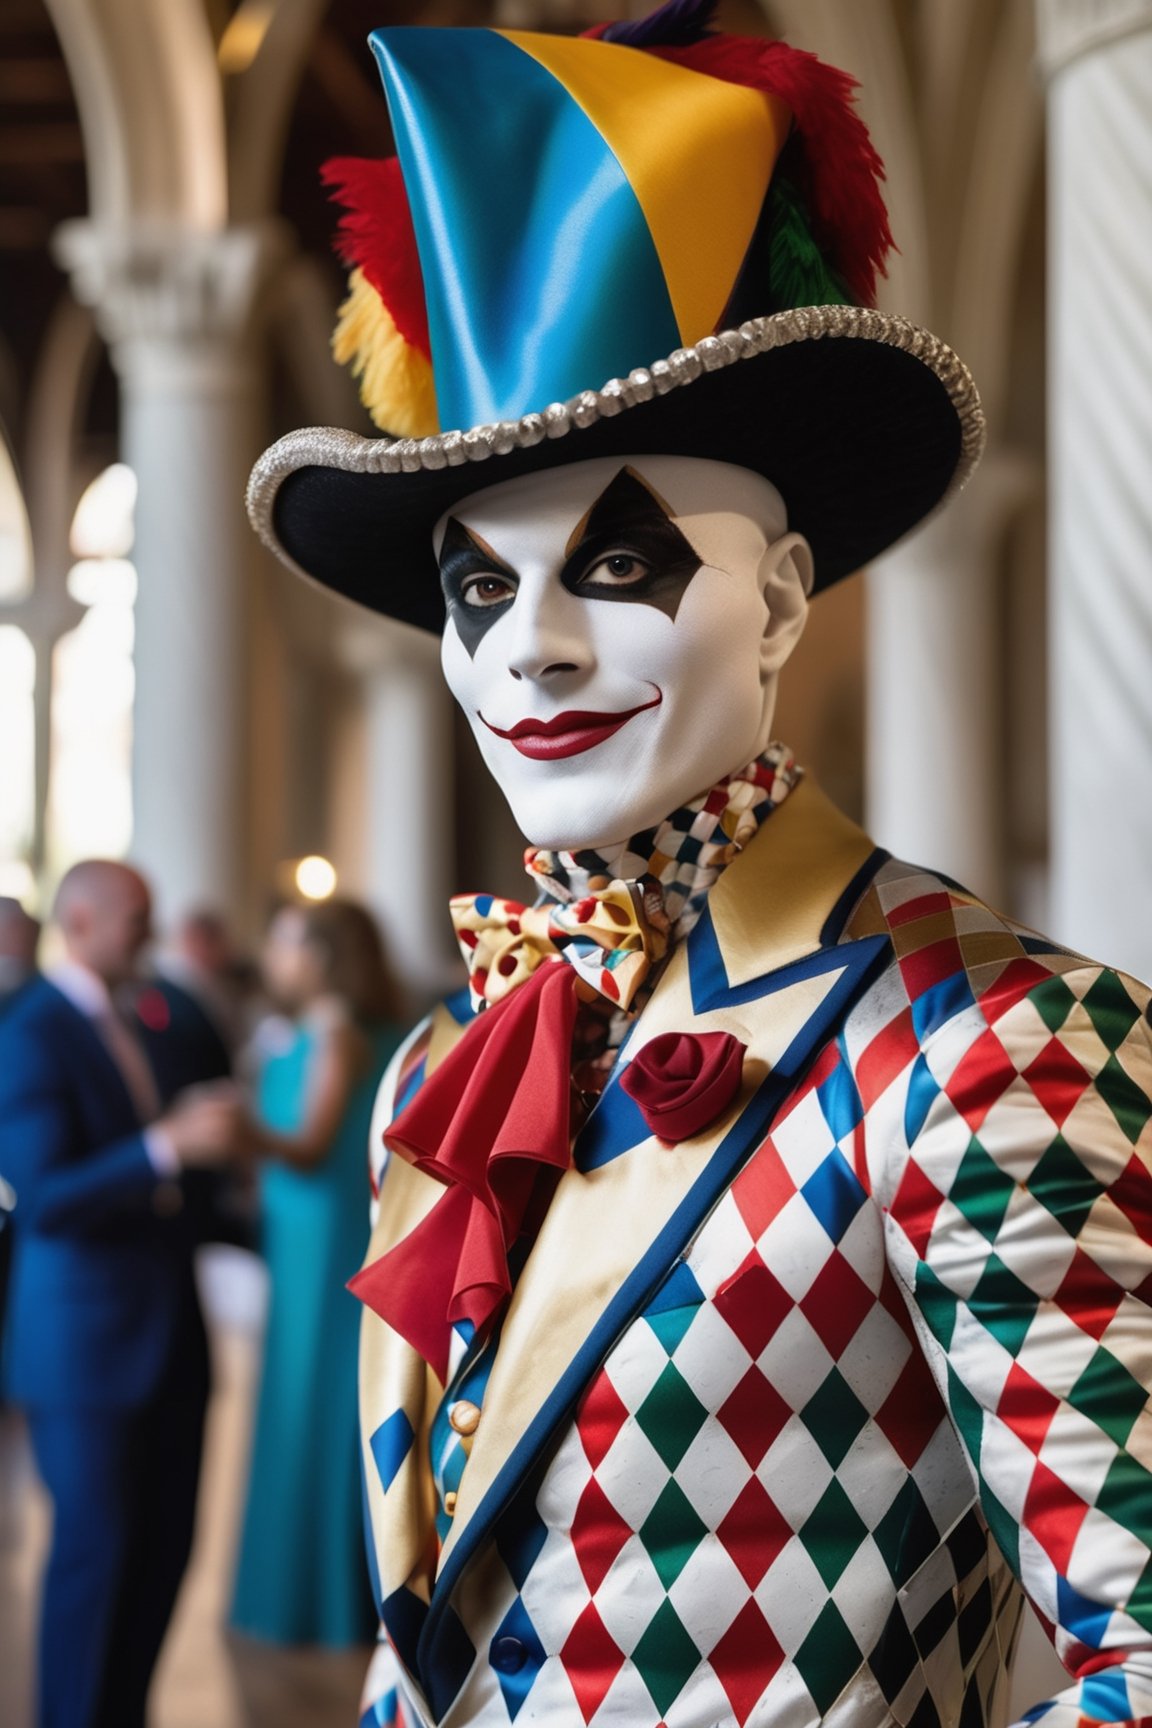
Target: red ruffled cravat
<point x="477" y="1127"/>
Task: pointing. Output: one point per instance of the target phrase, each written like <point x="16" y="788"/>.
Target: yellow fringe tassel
<point x="395" y="379"/>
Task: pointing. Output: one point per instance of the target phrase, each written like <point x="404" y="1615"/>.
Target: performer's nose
<point x="546" y="640"/>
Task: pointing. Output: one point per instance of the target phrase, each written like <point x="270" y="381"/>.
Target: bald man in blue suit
<point x="110" y="1155"/>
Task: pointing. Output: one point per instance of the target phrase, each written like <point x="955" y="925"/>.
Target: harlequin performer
<point x="757" y="1297"/>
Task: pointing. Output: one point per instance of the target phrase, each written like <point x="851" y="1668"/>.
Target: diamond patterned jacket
<point x="782" y="1418"/>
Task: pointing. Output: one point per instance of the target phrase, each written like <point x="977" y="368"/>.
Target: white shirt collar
<point x="85" y="989"/>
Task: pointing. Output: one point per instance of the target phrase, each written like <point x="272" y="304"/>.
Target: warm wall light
<point x="243" y="35"/>
<point x="315" y="878"/>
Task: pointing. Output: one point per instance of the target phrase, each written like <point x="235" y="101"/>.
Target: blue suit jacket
<point x="102" y="1289"/>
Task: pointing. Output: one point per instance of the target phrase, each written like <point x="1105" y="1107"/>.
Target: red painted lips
<point x="568" y="734"/>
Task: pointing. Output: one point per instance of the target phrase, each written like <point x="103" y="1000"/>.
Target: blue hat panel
<point x="541" y="277"/>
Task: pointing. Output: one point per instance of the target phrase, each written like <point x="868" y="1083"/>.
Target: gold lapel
<point x="768" y="911"/>
<point x="397" y="1387"/>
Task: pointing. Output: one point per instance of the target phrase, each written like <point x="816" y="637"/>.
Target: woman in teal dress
<point x="302" y="1576"/>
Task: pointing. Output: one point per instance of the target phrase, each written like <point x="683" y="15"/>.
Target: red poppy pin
<point x="152" y="1010"/>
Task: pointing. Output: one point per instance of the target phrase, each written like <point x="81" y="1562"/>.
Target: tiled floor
<point x="205" y="1679"/>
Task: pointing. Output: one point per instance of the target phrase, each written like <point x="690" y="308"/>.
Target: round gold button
<point x="450" y="1502"/>
<point x="464" y="1417"/>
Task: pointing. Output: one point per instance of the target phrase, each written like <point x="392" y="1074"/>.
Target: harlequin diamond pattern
<point x="735" y="1531"/>
<point x="763" y="1512"/>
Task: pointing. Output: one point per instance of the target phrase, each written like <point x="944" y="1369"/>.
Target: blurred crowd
<point x="155" y="1096"/>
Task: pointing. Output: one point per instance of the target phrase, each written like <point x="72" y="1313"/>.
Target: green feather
<point x="798" y="273"/>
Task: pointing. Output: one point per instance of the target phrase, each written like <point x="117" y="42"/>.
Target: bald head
<point x="104" y="913"/>
<point x="19" y="935"/>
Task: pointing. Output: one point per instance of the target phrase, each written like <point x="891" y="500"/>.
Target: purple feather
<point x="676" y="24"/>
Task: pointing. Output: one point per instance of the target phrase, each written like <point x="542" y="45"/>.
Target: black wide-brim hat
<point x="761" y="196"/>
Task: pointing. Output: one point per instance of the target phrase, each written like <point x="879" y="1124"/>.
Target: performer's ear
<point x="786" y="575"/>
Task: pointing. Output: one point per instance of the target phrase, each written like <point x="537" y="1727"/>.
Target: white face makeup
<point x="615" y="633"/>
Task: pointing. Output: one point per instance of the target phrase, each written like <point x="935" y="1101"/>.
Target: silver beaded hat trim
<point x="330" y="447"/>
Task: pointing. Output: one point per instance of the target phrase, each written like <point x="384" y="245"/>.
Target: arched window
<point x="15" y="534"/>
<point x="90" y="798"/>
<point x="17" y="760"/>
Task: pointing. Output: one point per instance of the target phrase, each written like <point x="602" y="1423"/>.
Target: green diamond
<point x="834" y="1416"/>
<point x="671" y="1416"/>
<point x="1062" y="1184"/>
<point x="1003" y="1526"/>
<point x="671" y="1533"/>
<point x="828" y="1658"/>
<point x="1112" y="1011"/>
<point x="937" y="1305"/>
<point x="1053" y="1001"/>
<point x="1108" y="1395"/>
<point x="981" y="1190"/>
<point x="1139" y="1603"/>
<point x="907" y="1534"/>
<point x="832" y="1532"/>
<point x="1126" y="1494"/>
<point x="967" y="1415"/>
<point x="665" y="1657"/>
<point x="1004" y="1304"/>
<point x="1128" y="1102"/>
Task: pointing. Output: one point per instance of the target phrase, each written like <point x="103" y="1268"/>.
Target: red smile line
<point x="568" y="734"/>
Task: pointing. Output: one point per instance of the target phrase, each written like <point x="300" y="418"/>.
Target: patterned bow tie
<point x="612" y="938"/>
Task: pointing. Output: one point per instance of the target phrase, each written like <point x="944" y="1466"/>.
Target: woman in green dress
<point x="302" y="1575"/>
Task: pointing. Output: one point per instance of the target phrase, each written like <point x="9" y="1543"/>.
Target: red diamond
<point x="981" y="1078"/>
<point x="753" y="1531"/>
<point x="911" y="1413"/>
<point x="753" y="1415"/>
<point x="753" y="1303"/>
<point x="762" y="1189"/>
<point x="601" y="1416"/>
<point x="915" y="1205"/>
<point x="598" y="1534"/>
<point x="745" y="1660"/>
<point x="1018" y="979"/>
<point x="1054" y="1514"/>
<point x="923" y="906"/>
<point x="1058" y="1080"/>
<point x="1089" y="1297"/>
<point x="837" y="1303"/>
<point x="1027" y="1407"/>
<point x="1132" y="1192"/>
<point x="889" y="1053"/>
<point x="926" y="967"/>
<point x="592" y="1660"/>
<point x="827" y="1061"/>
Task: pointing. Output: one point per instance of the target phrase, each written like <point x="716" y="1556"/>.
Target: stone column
<point x="1097" y="55"/>
<point x="409" y="819"/>
<point x="176" y="308"/>
<point x="935" y="761"/>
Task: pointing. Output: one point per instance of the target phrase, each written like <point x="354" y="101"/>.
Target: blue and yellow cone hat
<point x="654" y="239"/>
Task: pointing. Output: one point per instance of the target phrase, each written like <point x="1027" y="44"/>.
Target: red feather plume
<point x="376" y="233"/>
<point x="840" y="169"/>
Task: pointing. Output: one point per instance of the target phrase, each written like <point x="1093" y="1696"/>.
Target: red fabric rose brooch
<point x="683" y="1081"/>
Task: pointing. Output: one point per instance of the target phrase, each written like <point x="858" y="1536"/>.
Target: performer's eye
<point x="616" y="570"/>
<point x="486" y="590"/>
